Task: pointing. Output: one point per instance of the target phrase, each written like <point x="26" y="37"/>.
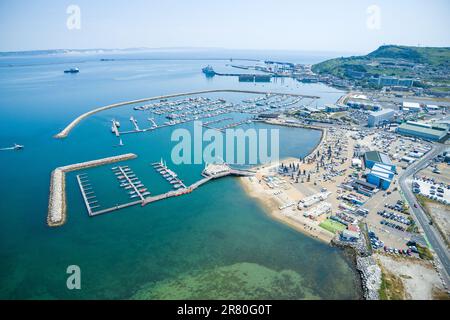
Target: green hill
<point x="424" y="55"/>
<point x="402" y="61"/>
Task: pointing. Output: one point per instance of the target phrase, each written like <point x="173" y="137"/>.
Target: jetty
<point x="211" y="171"/>
<point x="114" y="128"/>
<point x="135" y="123"/>
<point x="65" y="132"/>
<point x="168" y="174"/>
<point x="57" y="199"/>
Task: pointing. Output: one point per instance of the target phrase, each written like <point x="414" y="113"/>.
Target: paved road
<point x="433" y="236"/>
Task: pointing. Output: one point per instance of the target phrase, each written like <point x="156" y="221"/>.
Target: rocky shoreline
<point x="368" y="270"/>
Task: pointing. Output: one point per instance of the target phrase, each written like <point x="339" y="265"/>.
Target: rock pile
<point x="370" y="274"/>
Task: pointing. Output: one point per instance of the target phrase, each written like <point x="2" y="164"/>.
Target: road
<point x="433" y="236"/>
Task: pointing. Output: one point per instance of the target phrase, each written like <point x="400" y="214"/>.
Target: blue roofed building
<point x="381" y="169"/>
<point x="381" y="176"/>
<point x="373" y="157"/>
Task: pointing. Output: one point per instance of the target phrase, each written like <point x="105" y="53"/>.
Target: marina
<point x="136" y="189"/>
<point x="65" y="132"/>
<point x="169" y="175"/>
<point x="87" y="193"/>
<point x="121" y="229"/>
<point x="57" y="199"/>
<point x="174" y="112"/>
<point x="128" y="180"/>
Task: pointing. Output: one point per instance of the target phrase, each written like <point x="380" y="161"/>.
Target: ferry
<point x="208" y="71"/>
<point x="72" y="70"/>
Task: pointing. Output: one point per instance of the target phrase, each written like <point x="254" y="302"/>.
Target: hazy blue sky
<point x="316" y="25"/>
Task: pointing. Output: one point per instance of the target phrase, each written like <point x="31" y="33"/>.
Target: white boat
<point x="18" y="146"/>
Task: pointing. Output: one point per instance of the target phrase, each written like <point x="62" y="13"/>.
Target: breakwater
<point x="65" y="132"/>
<point x="57" y="200"/>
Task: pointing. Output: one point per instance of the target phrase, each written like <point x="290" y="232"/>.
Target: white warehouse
<point x="378" y="117"/>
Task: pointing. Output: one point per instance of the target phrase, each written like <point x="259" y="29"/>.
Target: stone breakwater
<point x="57" y="199"/>
<point x="368" y="269"/>
<point x="65" y="132"/>
<point x="370" y="274"/>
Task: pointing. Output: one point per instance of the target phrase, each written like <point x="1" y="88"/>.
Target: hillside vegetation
<point x="425" y="63"/>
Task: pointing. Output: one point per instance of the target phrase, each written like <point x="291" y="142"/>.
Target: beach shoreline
<point x="270" y="205"/>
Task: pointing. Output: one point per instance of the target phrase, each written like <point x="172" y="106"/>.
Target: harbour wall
<point x="57" y="208"/>
<point x="65" y="132"/>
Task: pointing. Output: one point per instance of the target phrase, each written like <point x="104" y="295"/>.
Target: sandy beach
<point x="273" y="199"/>
<point x="290" y="216"/>
<point x="281" y="202"/>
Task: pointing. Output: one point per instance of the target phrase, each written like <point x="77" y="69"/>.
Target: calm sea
<point x="213" y="243"/>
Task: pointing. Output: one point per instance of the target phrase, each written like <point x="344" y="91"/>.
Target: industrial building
<point x="379" y="117"/>
<point x="392" y="81"/>
<point x="363" y="105"/>
<point x="364" y="187"/>
<point x="381" y="169"/>
<point x="411" y="106"/>
<point x="335" y="107"/>
<point x="423" y="131"/>
<point x="381" y="176"/>
<point x="374" y="157"/>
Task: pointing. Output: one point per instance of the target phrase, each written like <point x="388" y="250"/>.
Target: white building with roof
<point x="378" y="117"/>
<point x="411" y="106"/>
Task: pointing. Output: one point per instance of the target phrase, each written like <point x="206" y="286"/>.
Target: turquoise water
<point x="203" y="245"/>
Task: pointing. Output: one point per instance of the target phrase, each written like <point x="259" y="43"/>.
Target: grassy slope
<point x="435" y="57"/>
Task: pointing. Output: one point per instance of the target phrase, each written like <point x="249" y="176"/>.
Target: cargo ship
<point x="209" y="71"/>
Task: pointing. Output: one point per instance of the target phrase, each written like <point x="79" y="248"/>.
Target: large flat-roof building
<point x="382" y="170"/>
<point x="411" y="106"/>
<point x="387" y="81"/>
<point x="374" y="157"/>
<point x="379" y="117"/>
<point x="381" y="176"/>
<point x="422" y="130"/>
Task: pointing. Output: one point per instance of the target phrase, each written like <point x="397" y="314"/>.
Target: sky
<point x="314" y="25"/>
